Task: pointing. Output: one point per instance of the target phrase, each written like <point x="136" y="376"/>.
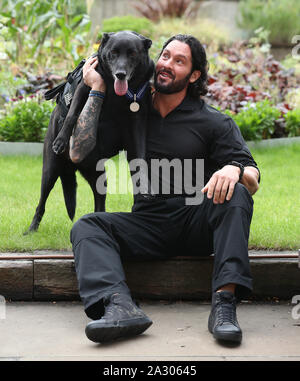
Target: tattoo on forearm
<point x="85" y="132"/>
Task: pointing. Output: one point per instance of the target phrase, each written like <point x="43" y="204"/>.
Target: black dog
<point x="126" y="68"/>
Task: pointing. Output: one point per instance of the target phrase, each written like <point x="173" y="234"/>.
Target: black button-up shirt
<point x="194" y="130"/>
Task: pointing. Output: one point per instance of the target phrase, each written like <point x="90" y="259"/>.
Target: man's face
<point x="174" y="68"/>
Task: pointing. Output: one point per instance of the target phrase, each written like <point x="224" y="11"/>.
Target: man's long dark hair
<point x="199" y="62"/>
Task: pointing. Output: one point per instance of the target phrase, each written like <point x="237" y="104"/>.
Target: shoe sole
<point x="105" y="332"/>
<point x="228" y="336"/>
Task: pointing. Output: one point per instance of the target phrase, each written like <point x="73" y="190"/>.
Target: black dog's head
<point x="123" y="57"/>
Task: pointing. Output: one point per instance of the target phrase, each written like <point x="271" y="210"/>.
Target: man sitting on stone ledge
<point x="181" y="126"/>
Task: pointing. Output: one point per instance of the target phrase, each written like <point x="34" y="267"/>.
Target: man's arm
<point x="84" y="135"/>
<point x="250" y="179"/>
<point x="221" y="184"/>
<point x="229" y="145"/>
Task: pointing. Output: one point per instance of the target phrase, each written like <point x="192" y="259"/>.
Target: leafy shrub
<point x="280" y="17"/>
<point x="256" y="120"/>
<point x="290" y="62"/>
<point x="292" y="119"/>
<point x="136" y="24"/>
<point x="293" y="98"/>
<point x="205" y="30"/>
<point x="245" y="71"/>
<point x="26" y="120"/>
<point x="9" y="85"/>
<point x="36" y="31"/>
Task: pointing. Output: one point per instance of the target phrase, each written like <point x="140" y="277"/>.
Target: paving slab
<point x="54" y="331"/>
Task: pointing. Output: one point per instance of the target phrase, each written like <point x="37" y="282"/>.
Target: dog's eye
<point x="113" y="52"/>
<point x="132" y="53"/>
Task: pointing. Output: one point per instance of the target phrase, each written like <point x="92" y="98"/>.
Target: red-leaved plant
<point x="157" y="9"/>
<point x="250" y="76"/>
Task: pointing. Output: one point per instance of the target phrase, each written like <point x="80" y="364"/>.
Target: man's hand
<point x="91" y="77"/>
<point x="221" y="184"/>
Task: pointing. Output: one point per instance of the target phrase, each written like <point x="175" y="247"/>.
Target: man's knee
<point x="240" y="200"/>
<point x="241" y="197"/>
<point x="86" y="226"/>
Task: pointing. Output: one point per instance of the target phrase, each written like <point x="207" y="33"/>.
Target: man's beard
<point x="173" y="87"/>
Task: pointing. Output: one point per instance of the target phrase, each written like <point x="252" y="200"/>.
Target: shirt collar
<point x="187" y="104"/>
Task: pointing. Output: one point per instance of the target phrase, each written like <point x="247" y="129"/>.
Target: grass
<point x="20" y="191"/>
<point x="276" y="218"/>
<point x="275" y="223"/>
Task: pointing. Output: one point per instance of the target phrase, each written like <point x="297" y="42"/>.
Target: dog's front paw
<point x="59" y="145"/>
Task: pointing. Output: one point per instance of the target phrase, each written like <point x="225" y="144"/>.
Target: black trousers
<point x="162" y="228"/>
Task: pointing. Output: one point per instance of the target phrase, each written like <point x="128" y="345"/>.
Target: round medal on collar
<point x="134" y="107"/>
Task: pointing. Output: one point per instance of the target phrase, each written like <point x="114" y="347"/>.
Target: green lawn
<point x="276" y="217"/>
<point x="275" y="223"/>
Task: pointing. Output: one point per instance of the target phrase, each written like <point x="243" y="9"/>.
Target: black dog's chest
<point x="123" y="108"/>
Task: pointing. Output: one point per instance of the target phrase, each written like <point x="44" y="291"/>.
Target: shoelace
<point x="111" y="306"/>
<point x="226" y="312"/>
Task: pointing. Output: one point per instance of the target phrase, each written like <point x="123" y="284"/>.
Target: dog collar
<point x="134" y="106"/>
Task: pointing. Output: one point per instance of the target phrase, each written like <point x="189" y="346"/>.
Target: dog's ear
<point x="147" y="43"/>
<point x="105" y="38"/>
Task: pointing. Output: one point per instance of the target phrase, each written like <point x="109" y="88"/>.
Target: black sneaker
<point x="122" y="318"/>
<point x="222" y="322"/>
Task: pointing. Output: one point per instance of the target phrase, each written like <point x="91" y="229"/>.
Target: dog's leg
<point x="53" y="167"/>
<point x="99" y="198"/>
<point x="136" y="147"/>
<point x="99" y="201"/>
<point x="61" y="142"/>
<point x="50" y="174"/>
<point x="91" y="177"/>
<point x="69" y="185"/>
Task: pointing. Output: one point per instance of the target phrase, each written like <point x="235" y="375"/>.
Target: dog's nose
<point x="121" y="75"/>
